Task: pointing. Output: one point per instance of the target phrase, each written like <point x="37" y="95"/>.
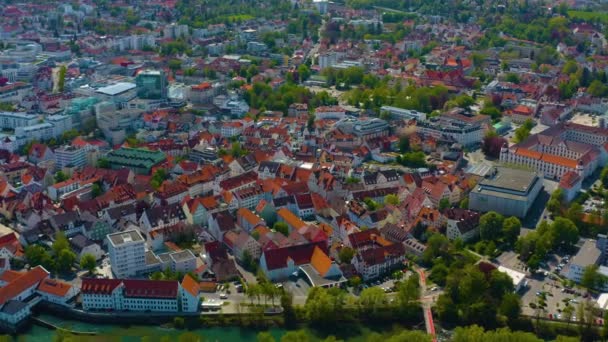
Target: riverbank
<point x="135" y="333"/>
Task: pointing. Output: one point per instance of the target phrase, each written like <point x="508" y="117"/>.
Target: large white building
<point x="140" y="295"/>
<point x="510" y="192"/>
<point x="127" y="253"/>
<point x="589" y="254"/>
<point x="10" y="120"/>
<point x="465" y="135"/>
<point x="70" y="156"/>
<point x="562" y="148"/>
<point x="404" y="113"/>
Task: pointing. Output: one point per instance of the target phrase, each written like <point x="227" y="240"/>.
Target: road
<point x="426" y="306"/>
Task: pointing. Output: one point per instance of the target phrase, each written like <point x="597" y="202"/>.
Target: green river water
<point x="134" y="333"/>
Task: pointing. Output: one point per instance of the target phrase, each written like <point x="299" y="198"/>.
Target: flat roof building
<point x="510" y="192"/>
<point x="139" y="160"/>
<point x="127" y="252"/>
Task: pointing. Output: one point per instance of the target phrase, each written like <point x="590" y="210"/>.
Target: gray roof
<point x="510" y="179"/>
<point x="182" y="255"/>
<point x="588" y="254"/>
<point x="13" y="306"/>
<point x="125" y="237"/>
<point x="79" y="242"/>
<point x="116" y="89"/>
<point x="151" y="258"/>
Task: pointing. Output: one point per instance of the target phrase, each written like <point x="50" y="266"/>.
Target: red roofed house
<point x="10" y="247"/>
<point x="134" y="295"/>
<point x="570" y="183"/>
<point x="375" y="255"/>
<point x="58" y="292"/>
<point x="16" y="298"/>
<point x="190" y="289"/>
<point x="309" y="259"/>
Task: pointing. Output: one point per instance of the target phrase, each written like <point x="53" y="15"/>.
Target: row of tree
<point x="561" y="234"/>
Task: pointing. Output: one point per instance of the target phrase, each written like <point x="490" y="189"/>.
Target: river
<point x="134" y="333"/>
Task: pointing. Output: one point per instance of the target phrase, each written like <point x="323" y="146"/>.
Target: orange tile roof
<point x="190" y="285"/>
<point x="248" y="216"/>
<point x="291" y="219"/>
<point x="567" y="162"/>
<point x="524" y="152"/>
<point x="54" y="287"/>
<point x="320" y="261"/>
<point x="20" y="284"/>
<point x="10" y="275"/>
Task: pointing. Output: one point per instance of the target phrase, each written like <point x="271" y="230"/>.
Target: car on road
<point x="223" y="296"/>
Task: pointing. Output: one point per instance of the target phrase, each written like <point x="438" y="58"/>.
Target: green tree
<point x="490" y="225"/>
<point x="265" y="336"/>
<point x="464" y="204"/>
<point x="296" y="336"/>
<point x="88" y="262"/>
<point x="61" y="242"/>
<point x="444" y="203"/>
<point x="372" y="299"/>
<point x="158" y="178"/>
<point x="323" y="307"/>
<point x="65" y="260"/>
<point x="346" y="255"/>
<point x="175" y="64"/>
<point x="477" y="334"/>
<point x="591" y="278"/>
<point x="410" y="336"/>
<point x="523" y="131"/>
<point x="510" y="306"/>
<point x="96" y="190"/>
<point x="391" y="199"/>
<point x="564" y="232"/>
<point x="281" y="227"/>
<point x="38" y="255"/>
<point x="303" y="72"/>
<point x="61" y="78"/>
<point x="439" y="273"/>
<point x="511" y="228"/>
<point x="103" y="163"/>
<point x="60" y="176"/>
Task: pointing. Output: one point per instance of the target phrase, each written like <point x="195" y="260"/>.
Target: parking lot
<point x="552" y="292"/>
<point x="297" y="287"/>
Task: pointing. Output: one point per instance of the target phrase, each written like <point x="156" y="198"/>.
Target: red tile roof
<point x="150" y="288"/>
<point x="99" y="286"/>
<point x="190" y="285"/>
<point x="299" y="254"/>
<point x="19" y="285"/>
<point x="54" y="287"/>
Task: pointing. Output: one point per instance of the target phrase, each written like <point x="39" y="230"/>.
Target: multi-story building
<point x="510" y="192"/>
<point x="590" y="253"/>
<point x="176" y="31"/>
<point x="151" y="84"/>
<point x="127" y="253"/>
<point x="14" y="92"/>
<point x="182" y="261"/>
<point x="139" y="160"/>
<point x="402" y="113"/>
<point x="139" y="295"/>
<point x="375" y="255"/>
<point x="462" y="223"/>
<point x="10" y="120"/>
<point x="70" y="156"/>
<point x="364" y="128"/>
<point x="466" y="134"/>
<point x="560" y="149"/>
